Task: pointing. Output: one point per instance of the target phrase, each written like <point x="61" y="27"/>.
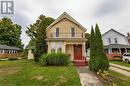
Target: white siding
<point x="112" y="34"/>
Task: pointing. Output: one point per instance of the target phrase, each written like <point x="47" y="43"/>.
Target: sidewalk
<point x="87" y="77"/>
<point x="124" y="72"/>
<point x="119" y="66"/>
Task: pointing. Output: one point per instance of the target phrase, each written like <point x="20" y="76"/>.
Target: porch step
<point x="80" y="63"/>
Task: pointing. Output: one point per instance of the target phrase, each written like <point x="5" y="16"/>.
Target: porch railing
<point x="65" y="35"/>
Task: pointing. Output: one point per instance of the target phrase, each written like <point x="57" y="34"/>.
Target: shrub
<point x="55" y="59"/>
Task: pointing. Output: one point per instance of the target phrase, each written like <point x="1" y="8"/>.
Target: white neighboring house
<point x="115" y="43"/>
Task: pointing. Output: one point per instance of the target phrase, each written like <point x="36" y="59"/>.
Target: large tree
<point x="10" y="33"/>
<point x="98" y="60"/>
<point x="37" y="31"/>
<point x="92" y="50"/>
<point x="101" y="58"/>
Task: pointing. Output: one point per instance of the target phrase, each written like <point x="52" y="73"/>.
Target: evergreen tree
<point x="102" y="62"/>
<point x="92" y="48"/>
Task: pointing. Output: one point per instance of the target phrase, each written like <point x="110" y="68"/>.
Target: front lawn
<point x="28" y="73"/>
<point x="117" y="79"/>
<point x="121" y="63"/>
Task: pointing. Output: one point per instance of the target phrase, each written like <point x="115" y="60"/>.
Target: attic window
<point x="109" y="40"/>
<point x="115" y="39"/>
<point x="73" y="32"/>
<point x="57" y="32"/>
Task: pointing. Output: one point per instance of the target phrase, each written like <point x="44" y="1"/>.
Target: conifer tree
<point x="92" y="52"/>
<point x="102" y="62"/>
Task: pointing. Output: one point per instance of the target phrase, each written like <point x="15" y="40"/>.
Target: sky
<point x="109" y="14"/>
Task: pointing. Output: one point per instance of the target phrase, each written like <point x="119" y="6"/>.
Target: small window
<point x="115" y="39"/>
<point x="59" y="49"/>
<point x="53" y="50"/>
<point x="57" y="32"/>
<point x="115" y="50"/>
<point x="72" y="32"/>
<point x="109" y="40"/>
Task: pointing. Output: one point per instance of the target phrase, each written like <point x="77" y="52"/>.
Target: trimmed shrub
<point x="55" y="59"/>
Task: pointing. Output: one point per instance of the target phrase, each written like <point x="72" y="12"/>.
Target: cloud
<point x="107" y="13"/>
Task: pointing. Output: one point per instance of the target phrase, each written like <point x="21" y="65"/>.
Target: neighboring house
<point x="128" y="37"/>
<point x="115" y="44"/>
<point x="66" y="35"/>
<point x="9" y="51"/>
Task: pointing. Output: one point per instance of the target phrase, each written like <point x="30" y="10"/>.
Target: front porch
<point x="76" y="50"/>
<point x="116" y="50"/>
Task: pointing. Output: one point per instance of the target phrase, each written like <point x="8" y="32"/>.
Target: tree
<point x="10" y="33"/>
<point x="37" y="31"/>
<point x="101" y="58"/>
<point x="87" y="36"/>
<point x="98" y="59"/>
<point x="92" y="50"/>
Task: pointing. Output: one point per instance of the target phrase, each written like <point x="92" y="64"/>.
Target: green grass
<point x="28" y="73"/>
<point x="121" y="63"/>
<point x="117" y="79"/>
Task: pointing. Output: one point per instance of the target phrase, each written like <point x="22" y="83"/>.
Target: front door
<point x="77" y="52"/>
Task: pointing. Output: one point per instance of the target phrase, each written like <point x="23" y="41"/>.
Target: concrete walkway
<point x="119" y="66"/>
<point x="87" y="77"/>
<point x="124" y="72"/>
<point x="120" y="69"/>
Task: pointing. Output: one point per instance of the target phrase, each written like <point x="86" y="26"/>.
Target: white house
<point x="115" y="43"/>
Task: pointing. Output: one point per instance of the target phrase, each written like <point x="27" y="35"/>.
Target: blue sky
<point x="107" y="13"/>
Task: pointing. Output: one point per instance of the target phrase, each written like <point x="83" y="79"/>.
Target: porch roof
<point x="9" y="47"/>
<point x="117" y="46"/>
<point x="66" y="39"/>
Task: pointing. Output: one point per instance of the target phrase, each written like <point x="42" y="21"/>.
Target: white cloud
<point x="107" y="13"/>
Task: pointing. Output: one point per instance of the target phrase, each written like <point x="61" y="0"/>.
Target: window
<point x="59" y="49"/>
<point x="115" y="39"/>
<point x="1" y="51"/>
<point x="72" y="32"/>
<point x="109" y="40"/>
<point x="52" y="50"/>
<point x="57" y="32"/>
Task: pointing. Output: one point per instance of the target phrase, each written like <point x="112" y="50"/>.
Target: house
<point x="115" y="44"/>
<point x="128" y="37"/>
<point x="9" y="51"/>
<point x="66" y="35"/>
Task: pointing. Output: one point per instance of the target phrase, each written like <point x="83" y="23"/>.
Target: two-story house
<point x="66" y="35"/>
<point x="115" y="44"/>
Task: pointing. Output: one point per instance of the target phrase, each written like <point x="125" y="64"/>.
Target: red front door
<point x="77" y="52"/>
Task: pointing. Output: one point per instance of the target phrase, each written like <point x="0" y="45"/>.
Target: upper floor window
<point x="115" y="39"/>
<point x="109" y="40"/>
<point x="72" y="32"/>
<point x="57" y="32"/>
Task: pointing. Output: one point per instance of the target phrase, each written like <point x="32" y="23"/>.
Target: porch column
<point x="125" y="50"/>
<point x="109" y="50"/>
<point x="119" y="50"/>
<point x="64" y="47"/>
<point x="84" y="49"/>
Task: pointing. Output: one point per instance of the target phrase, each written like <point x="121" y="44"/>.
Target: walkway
<point x="120" y="69"/>
<point x="87" y="78"/>
<point x="119" y="66"/>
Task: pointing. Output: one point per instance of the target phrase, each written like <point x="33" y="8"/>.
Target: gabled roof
<point x="114" y="31"/>
<point x="9" y="47"/>
<point x="67" y="16"/>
